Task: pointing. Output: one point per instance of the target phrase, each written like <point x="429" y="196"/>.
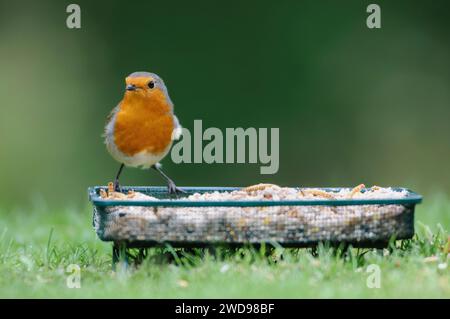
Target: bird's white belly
<point x="143" y="159"/>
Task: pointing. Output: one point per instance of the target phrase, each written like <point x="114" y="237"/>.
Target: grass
<point x="37" y="245"/>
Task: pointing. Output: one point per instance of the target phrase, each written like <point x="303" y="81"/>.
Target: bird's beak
<point x="131" y="87"/>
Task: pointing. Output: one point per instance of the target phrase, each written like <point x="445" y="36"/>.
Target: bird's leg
<point x="116" y="180"/>
<point x="171" y="187"/>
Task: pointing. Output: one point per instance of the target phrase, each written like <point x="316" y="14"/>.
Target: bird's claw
<point x="117" y="187"/>
<point x="173" y="189"/>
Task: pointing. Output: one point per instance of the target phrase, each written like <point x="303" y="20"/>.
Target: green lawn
<point x="37" y="245"/>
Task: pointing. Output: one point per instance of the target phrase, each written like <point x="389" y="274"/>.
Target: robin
<point x="141" y="128"/>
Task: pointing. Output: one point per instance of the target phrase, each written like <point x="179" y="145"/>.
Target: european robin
<point x="140" y="130"/>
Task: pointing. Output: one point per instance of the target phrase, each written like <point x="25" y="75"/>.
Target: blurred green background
<point x="353" y="104"/>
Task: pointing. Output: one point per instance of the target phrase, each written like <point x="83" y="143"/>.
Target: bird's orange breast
<point x="143" y="123"/>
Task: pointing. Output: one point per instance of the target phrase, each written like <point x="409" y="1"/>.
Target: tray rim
<point x="411" y="199"/>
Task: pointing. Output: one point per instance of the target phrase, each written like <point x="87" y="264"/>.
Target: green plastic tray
<point x="159" y="222"/>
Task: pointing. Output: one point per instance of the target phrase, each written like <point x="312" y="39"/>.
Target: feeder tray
<point x="359" y="222"/>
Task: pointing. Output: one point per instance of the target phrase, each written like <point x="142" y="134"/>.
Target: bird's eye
<point x="151" y="84"/>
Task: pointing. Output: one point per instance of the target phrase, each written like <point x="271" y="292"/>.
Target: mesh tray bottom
<point x="288" y="225"/>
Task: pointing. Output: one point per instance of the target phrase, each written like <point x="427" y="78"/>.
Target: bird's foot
<point x="117" y="187"/>
<point x="173" y="189"/>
